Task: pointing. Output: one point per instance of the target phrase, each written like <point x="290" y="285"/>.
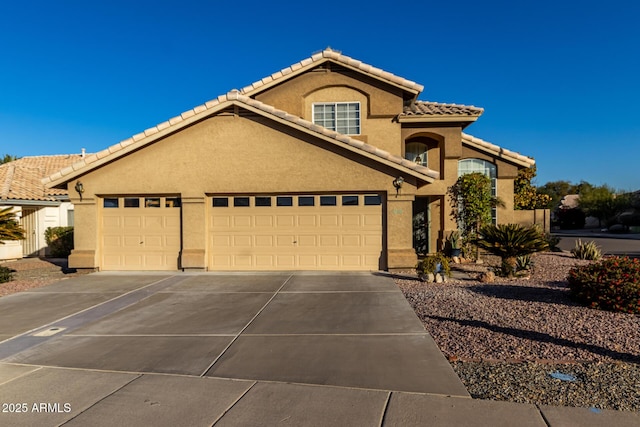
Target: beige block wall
<point x="230" y="154"/>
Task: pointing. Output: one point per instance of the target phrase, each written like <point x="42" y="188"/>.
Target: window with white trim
<point x="343" y="117"/>
<point x="486" y="168"/>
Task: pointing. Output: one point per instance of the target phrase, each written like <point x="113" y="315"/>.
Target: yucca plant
<point x="9" y="227"/>
<point x="510" y="241"/>
<point x="587" y="250"/>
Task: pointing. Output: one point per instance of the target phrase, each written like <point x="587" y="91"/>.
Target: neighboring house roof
<point x="497" y="151"/>
<point x="331" y="55"/>
<point x="225" y="101"/>
<point x="22" y="179"/>
<point x="423" y="110"/>
<point x="570" y="201"/>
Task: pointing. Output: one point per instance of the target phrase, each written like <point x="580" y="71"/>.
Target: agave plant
<point x="510" y="241"/>
<point x="9" y="227"/>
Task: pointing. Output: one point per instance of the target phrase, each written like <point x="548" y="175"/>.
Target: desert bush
<point x="586" y="250"/>
<point x="6" y="275"/>
<point x="60" y="241"/>
<point x="524" y="263"/>
<point x="552" y="242"/>
<point x="609" y="284"/>
<point x="510" y="241"/>
<point x="430" y="264"/>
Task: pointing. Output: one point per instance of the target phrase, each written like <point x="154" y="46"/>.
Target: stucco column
<point x="194" y="233"/>
<point x="400" y="252"/>
<point x="85" y="234"/>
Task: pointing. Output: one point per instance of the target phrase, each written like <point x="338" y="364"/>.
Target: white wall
<point x="50" y="216"/>
<point x="12" y="249"/>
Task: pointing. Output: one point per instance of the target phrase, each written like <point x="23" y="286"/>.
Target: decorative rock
<point x="430" y="277"/>
<point x="487" y="277"/>
<point x="439" y="278"/>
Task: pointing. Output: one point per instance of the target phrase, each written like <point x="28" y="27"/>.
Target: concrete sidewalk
<point x="237" y="349"/>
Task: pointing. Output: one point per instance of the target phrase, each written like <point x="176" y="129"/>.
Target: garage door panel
<point x="264" y="220"/>
<point x="264" y="261"/>
<point x="241" y="221"/>
<point x="351" y="220"/>
<point x="132" y="221"/>
<point x="308" y="241"/>
<point x="132" y="241"/>
<point x="151" y="222"/>
<point x="372" y="220"/>
<point x="307" y="220"/>
<point x="264" y="241"/>
<point x="285" y="240"/>
<point x="331" y="240"/>
<point x="222" y="222"/>
<point x="285" y="261"/>
<point x="308" y="262"/>
<point x="139" y="238"/>
<point x="242" y="241"/>
<point x="285" y="220"/>
<point x="351" y="240"/>
<point x="154" y="241"/>
<point x="295" y="234"/>
<point x="351" y="260"/>
<point x="111" y="221"/>
<point x="329" y="220"/>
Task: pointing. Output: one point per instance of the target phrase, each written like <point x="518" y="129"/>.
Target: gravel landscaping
<point x="524" y="340"/>
<point x="31" y="273"/>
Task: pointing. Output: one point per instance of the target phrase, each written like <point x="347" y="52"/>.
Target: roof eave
<point x="59" y="179"/>
<point x="308" y="64"/>
<point x="438" y="119"/>
<point x="497" y="151"/>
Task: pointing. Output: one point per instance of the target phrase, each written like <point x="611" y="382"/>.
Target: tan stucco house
<point x="36" y="207"/>
<point x="323" y="165"/>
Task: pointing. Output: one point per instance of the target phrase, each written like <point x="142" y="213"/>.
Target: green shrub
<point x="509" y="241"/>
<point x="6" y="275"/>
<point x="524" y="263"/>
<point x="60" y="241"/>
<point x="430" y="264"/>
<point x="609" y="284"/>
<point x="586" y="250"/>
<point x="553" y="242"/>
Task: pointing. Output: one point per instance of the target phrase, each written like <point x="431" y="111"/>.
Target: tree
<point x="509" y="241"/>
<point x="9" y="227"/>
<point x="8" y="158"/>
<point x="601" y="202"/>
<point x="471" y="203"/>
<point x="525" y="195"/>
<point x="557" y="190"/>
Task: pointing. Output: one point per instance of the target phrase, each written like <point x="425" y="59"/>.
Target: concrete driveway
<point x="235" y="349"/>
<point x="346" y="330"/>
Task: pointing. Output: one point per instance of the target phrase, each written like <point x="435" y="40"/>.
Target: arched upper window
<point x="416" y="152"/>
<point x="484" y="167"/>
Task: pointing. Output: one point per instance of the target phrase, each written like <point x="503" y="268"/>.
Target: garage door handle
<point x="295" y="241"/>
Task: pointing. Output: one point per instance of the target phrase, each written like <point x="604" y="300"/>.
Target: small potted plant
<point x="453" y="244"/>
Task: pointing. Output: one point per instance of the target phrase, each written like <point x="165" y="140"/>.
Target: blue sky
<point x="559" y="81"/>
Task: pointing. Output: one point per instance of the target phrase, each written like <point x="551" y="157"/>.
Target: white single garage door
<point x="140" y="233"/>
<point x="295" y="232"/>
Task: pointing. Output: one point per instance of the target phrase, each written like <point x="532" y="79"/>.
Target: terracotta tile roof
<point x="497" y="151"/>
<point x="426" y="108"/>
<point x="22" y="178"/>
<point x="218" y="104"/>
<point x="325" y="55"/>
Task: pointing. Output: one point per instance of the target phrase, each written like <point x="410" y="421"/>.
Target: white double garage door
<point x="248" y="232"/>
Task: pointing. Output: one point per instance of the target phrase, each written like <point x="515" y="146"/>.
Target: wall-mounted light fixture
<point x="397" y="183"/>
<point x="79" y="189"/>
